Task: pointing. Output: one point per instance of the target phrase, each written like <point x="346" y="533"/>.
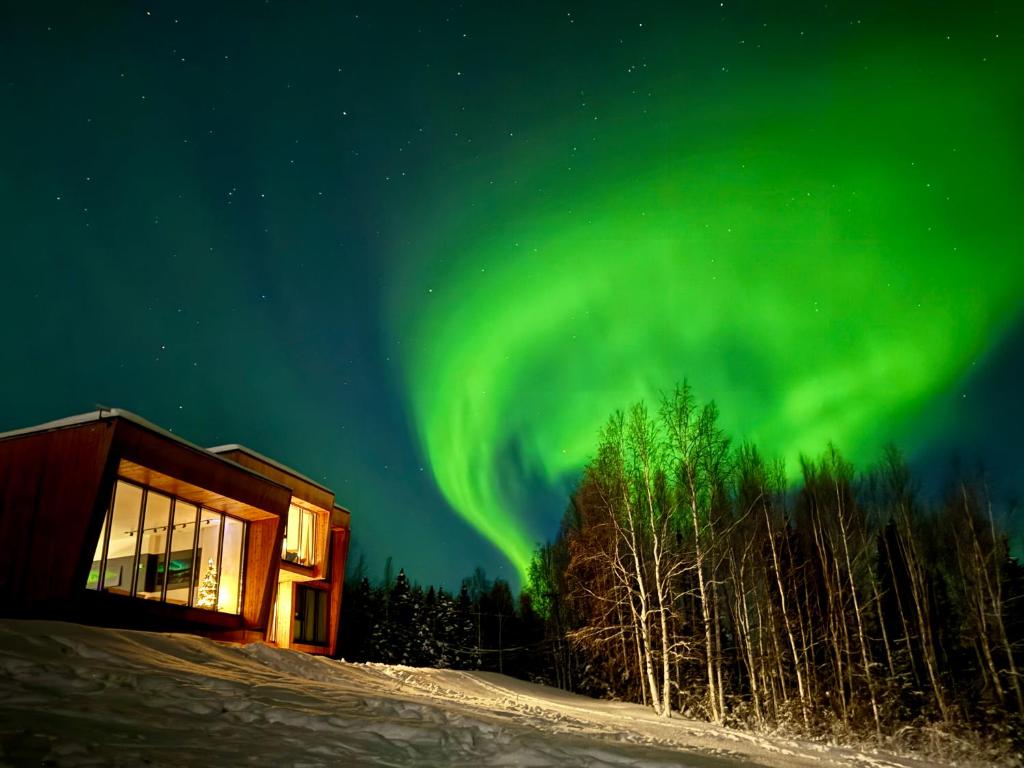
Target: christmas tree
<point x="208" y="587"/>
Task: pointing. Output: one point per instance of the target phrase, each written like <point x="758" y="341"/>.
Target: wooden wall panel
<point x="302" y="489"/>
<point x="262" y="559"/>
<point x="334" y="586"/>
<point x="176" y="487"/>
<point x="199" y="468"/>
<point x="339" y="559"/>
<point x="109" y="610"/>
<point x="305" y="494"/>
<point x="341" y="517"/>
<point x="53" y="491"/>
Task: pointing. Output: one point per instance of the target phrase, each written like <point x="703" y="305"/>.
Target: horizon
<point x="421" y="256"/>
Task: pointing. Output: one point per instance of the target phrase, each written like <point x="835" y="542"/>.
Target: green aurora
<point x="822" y="250"/>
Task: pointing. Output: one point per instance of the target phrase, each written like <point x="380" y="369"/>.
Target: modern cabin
<point x="108" y="519"/>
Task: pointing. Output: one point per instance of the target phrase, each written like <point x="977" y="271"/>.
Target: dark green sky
<point x="420" y="251"/>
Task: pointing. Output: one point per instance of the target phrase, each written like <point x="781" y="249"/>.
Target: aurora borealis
<point x="422" y="253"/>
<point x="809" y="247"/>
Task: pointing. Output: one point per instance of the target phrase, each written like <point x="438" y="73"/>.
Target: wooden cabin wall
<point x="120" y="611"/>
<point x="301" y="489"/>
<point x="51" y="511"/>
<point x="308" y="495"/>
<point x="55" y="490"/>
<point x="339" y="559"/>
<point x="262" y="560"/>
<point x="333" y="585"/>
<point x="199" y="468"/>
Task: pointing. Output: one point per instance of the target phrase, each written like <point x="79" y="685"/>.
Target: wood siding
<point x="200" y="468"/>
<point x="51" y="509"/>
<point x="339" y="559"/>
<point x="262" y="559"/>
<point x="55" y="489"/>
<point x="334" y="585"/>
<point x="305" y="494"/>
<point x="302" y="489"/>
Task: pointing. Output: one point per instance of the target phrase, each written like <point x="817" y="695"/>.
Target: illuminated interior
<point x="280" y="632"/>
<point x="159" y="547"/>
<point x="299" y="544"/>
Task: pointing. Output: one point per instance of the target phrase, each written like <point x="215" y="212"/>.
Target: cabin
<point x="108" y="519"/>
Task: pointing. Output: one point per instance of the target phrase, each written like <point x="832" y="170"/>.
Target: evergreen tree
<point x="466" y="637"/>
<point x="359" y="612"/>
<point x="445" y="628"/>
<point x="207" y="597"/>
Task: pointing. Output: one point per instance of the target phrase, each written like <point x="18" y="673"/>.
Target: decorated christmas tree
<point x="208" y="587"/>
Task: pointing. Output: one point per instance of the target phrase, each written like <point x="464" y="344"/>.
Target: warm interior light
<point x="299" y="544"/>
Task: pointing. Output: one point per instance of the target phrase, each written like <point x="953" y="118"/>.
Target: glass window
<point x="310" y="624"/>
<point x="93" y="579"/>
<point x="299" y="545"/>
<point x="182" y="554"/>
<point x="207" y="556"/>
<point x="123" y="538"/>
<point x="149" y="579"/>
<point x="231" y="566"/>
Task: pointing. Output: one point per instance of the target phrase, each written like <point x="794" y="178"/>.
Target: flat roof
<point x="105" y="414"/>
<point x="81" y="418"/>
<point x="98" y="415"/>
<point x="218" y="449"/>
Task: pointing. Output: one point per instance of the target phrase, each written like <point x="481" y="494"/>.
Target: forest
<point x="697" y="576"/>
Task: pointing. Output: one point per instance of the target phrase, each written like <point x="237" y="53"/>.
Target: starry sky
<point x="420" y="251"/>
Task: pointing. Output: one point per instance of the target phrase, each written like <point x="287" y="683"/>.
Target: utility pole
<point x="501" y="665"/>
<point x="479" y="638"/>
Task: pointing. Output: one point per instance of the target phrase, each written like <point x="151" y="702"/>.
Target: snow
<point x="81" y="696"/>
<point x="219" y="449"/>
<point x="120" y="413"/>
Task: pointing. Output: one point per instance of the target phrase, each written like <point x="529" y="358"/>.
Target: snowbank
<point x="81" y="696"/>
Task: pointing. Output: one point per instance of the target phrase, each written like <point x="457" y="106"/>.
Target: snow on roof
<point x="218" y="449"/>
<point x="97" y="415"/>
<point x="103" y="414"/>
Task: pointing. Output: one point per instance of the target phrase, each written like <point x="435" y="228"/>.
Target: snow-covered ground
<point x="76" y="696"/>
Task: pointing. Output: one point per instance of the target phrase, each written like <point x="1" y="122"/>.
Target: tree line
<point x="399" y="622"/>
<point x="690" y="575"/>
<point x="693" y="575"/>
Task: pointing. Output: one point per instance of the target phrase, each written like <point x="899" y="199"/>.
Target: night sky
<point x="421" y="251"/>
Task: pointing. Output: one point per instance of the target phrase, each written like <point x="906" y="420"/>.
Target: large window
<point x="310" y="616"/>
<point x="299" y="544"/>
<point x="113" y="565"/>
<point x="181" y="557"/>
<point x="158" y="547"/>
<point x="156" y="522"/>
<point x="233" y="545"/>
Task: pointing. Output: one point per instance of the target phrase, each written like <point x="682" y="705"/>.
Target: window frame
<point x="307" y="527"/>
<point x="104" y="546"/>
<point x="321" y="602"/>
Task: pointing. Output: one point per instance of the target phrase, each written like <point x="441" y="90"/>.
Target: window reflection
<point x="122" y="539"/>
<point x="182" y="553"/>
<point x="149" y="579"/>
<point x="310" y="623"/>
<point x="158" y="547"/>
<point x="93" y="580"/>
